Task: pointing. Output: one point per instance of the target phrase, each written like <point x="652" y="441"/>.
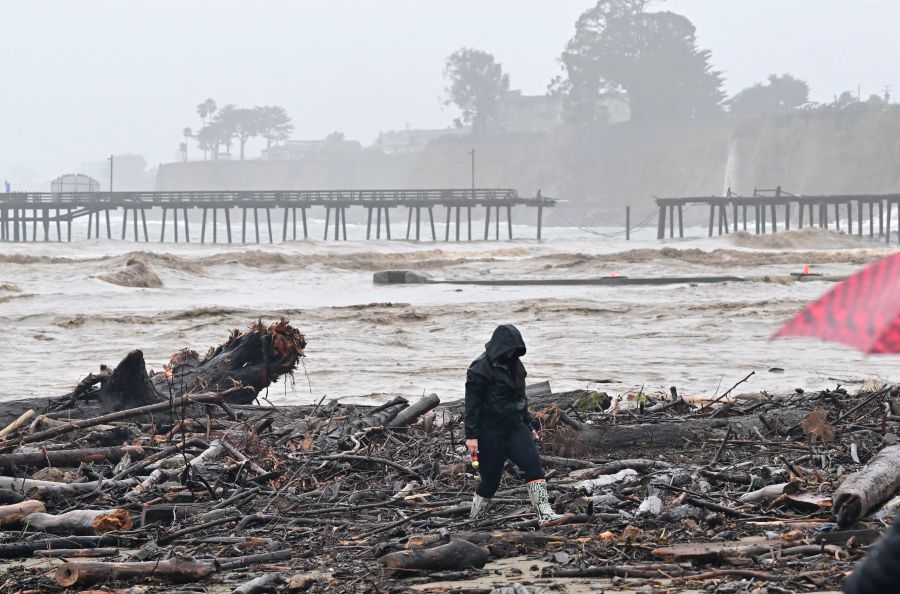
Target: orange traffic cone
<point x="805" y="269"/>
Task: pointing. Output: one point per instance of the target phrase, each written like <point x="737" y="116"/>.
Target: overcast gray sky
<point x="83" y="79"/>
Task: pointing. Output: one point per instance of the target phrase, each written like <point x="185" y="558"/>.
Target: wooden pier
<point x="770" y="211"/>
<point x="46" y="213"/>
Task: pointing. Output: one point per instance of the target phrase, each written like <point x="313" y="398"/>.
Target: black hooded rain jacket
<point x="495" y="386"/>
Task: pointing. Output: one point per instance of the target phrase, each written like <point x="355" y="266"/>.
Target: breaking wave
<point x="717" y="257"/>
<point x="369" y="260"/>
<point x="799" y="239"/>
<point x="136" y="273"/>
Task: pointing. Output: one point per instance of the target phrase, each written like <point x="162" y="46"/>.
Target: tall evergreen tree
<point x="649" y="58"/>
<point x="476" y="84"/>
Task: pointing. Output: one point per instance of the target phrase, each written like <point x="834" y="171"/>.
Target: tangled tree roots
<point x="255" y="358"/>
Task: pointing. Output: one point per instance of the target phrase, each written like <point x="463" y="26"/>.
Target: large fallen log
<point x="708" y="551"/>
<point x="87" y="522"/>
<point x="11" y="515"/>
<point x="69" y="574"/>
<point x="26" y="548"/>
<point x="863" y="490"/>
<point x="456" y="554"/>
<point x="255" y="358"/>
<point x="44" y="489"/>
<point x="602" y="439"/>
<point x="67" y="458"/>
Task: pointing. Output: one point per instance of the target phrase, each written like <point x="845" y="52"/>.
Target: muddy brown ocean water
<point x="368" y="341"/>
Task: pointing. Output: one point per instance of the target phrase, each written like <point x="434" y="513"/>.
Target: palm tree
<point x="188" y="134"/>
<point x="206" y="110"/>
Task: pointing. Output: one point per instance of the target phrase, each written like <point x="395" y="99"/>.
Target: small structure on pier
<point x="775" y="209"/>
<point x="73" y="183"/>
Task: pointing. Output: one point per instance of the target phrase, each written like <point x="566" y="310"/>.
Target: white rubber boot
<point x="540" y="499"/>
<point x="480" y="507"/>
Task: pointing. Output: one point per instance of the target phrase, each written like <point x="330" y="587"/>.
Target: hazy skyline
<point x="89" y="78"/>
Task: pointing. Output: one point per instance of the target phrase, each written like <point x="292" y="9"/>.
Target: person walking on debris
<point x="498" y="424"/>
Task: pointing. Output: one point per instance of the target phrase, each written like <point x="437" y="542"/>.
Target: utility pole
<point x="110" y="172"/>
<point x="472" y="152"/>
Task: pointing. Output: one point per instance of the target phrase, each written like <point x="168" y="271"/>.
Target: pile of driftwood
<point x="195" y="490"/>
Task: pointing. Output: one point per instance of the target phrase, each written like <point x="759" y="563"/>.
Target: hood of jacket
<point x="506" y="337"/>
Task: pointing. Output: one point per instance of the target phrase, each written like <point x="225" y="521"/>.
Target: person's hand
<point x="472" y="445"/>
<point x="534" y="435"/>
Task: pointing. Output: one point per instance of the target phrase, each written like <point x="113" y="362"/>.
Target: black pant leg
<point x="491" y="459"/>
<point x="522" y="451"/>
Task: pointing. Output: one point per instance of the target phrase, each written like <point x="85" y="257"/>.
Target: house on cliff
<point x="412" y="140"/>
<point x="295" y="150"/>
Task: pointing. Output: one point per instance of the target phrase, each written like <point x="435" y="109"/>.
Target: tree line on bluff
<point x="647" y="59"/>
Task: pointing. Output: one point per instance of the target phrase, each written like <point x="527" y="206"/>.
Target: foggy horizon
<point x="94" y="78"/>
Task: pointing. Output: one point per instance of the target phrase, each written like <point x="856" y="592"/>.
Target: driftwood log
<point x="53" y="488"/>
<point x="69" y="574"/>
<point x="78" y="553"/>
<point x="411" y="413"/>
<point x="23" y="418"/>
<point x="500" y="543"/>
<point x="14" y="514"/>
<point x="604" y="439"/>
<point x="456" y="554"/>
<point x="708" y="551"/>
<point x="128" y="386"/>
<point x="770" y="493"/>
<point x="27" y="548"/>
<point x="259" y="585"/>
<point x="863" y="490"/>
<point x="254" y="358"/>
<point x="88" y="522"/>
<point x="67" y="458"/>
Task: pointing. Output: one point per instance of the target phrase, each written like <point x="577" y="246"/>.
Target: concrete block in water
<point x="401" y="277"/>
